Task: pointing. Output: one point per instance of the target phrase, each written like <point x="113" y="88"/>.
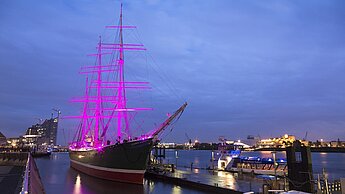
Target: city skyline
<point x="245" y="68"/>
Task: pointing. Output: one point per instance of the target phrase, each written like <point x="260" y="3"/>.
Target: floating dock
<point x="207" y="180"/>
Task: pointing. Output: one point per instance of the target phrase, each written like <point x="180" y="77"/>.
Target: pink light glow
<point x="105" y="70"/>
<point x="98" y="54"/>
<point x="85" y="127"/>
<point x="100" y="111"/>
<point x="123" y="48"/>
<point x="114" y="44"/>
<point x="93" y="67"/>
<point x="120" y="27"/>
<point x="92" y="117"/>
<point x="124" y="109"/>
<point x="121" y="87"/>
<point x="126" y="82"/>
<point x="92" y="97"/>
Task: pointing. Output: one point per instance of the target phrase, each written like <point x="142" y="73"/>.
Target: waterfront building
<point x="50" y="126"/>
<point x="337" y="143"/>
<point x="167" y="145"/>
<point x="31" y="136"/>
<point x="251" y="140"/>
<point x="333" y="144"/>
<point x="14" y="142"/>
<point x="2" y="139"/>
<point x="277" y="142"/>
<point x="41" y="134"/>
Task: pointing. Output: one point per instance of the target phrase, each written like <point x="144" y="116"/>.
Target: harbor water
<point x="58" y="177"/>
<point x="333" y="163"/>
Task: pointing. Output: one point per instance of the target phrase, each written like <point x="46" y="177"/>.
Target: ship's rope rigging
<point x="171" y="125"/>
<point x="106" y="123"/>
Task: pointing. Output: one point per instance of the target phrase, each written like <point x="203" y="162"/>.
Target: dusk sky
<point x="245" y="67"/>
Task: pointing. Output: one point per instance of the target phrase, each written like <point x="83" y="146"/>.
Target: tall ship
<point x="104" y="146"/>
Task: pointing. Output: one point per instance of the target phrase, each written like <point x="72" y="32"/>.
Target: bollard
<point x="172" y="168"/>
<point x="265" y="188"/>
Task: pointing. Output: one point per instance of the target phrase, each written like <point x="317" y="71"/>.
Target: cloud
<point x="245" y="67"/>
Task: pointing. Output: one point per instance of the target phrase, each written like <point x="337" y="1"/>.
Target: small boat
<point x="258" y="165"/>
<point x="230" y="159"/>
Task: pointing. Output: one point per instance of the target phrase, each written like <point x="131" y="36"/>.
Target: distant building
<point x="2" y="139"/>
<point x="14" y="142"/>
<point x="50" y="126"/>
<point x="167" y="145"/>
<point x="278" y="142"/>
<point x="251" y="140"/>
<point x="32" y="134"/>
<point x="42" y="134"/>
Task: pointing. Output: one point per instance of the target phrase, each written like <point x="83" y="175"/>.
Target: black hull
<point x="125" y="162"/>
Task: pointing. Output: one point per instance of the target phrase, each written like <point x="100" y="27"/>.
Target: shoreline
<point x="312" y="149"/>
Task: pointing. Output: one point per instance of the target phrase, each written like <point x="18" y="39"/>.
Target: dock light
<point x="81" y="156"/>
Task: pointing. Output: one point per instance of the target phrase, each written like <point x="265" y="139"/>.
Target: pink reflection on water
<point x="77" y="185"/>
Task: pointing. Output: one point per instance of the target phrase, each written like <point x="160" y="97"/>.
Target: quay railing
<point x="31" y="178"/>
<point x="26" y="184"/>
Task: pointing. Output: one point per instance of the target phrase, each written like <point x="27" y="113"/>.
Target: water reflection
<point x="87" y="184"/>
<point x="228" y="180"/>
<point x="150" y="185"/>
<point x="77" y="185"/>
<point x="196" y="170"/>
<point x="176" y="190"/>
<point x="58" y="177"/>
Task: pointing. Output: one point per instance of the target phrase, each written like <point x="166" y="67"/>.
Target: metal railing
<point x="26" y="178"/>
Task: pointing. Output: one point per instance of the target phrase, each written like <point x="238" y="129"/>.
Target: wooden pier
<point x="189" y="183"/>
<point x="211" y="181"/>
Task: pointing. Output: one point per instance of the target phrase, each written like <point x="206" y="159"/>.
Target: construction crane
<point x="58" y="112"/>
<point x="306" y="135"/>
<point x="188" y="139"/>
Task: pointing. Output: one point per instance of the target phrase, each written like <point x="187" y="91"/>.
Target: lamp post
<point x="275" y="167"/>
<point x="176" y="156"/>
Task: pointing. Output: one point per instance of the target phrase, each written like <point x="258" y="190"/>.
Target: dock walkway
<point x="213" y="181"/>
<point x="19" y="174"/>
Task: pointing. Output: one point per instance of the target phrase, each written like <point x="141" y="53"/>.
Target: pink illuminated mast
<point x="105" y="102"/>
<point x="121" y="95"/>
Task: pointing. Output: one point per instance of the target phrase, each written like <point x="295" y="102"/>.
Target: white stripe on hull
<point x="110" y="169"/>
